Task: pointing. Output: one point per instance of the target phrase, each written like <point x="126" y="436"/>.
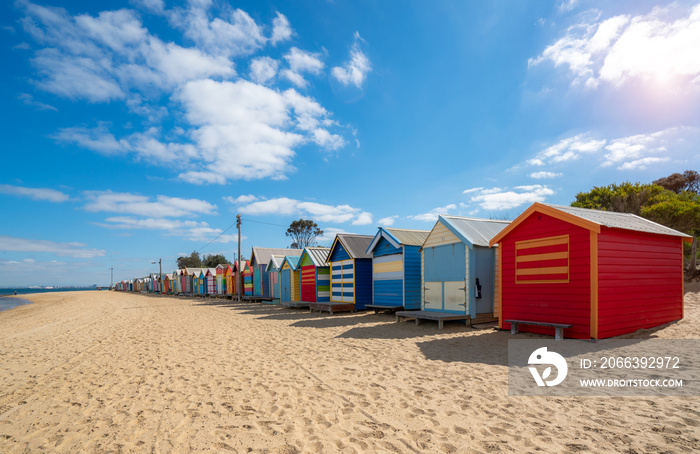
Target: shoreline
<point x="111" y="371"/>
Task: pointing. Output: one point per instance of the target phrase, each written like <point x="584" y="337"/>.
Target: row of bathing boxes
<point x="597" y="273"/>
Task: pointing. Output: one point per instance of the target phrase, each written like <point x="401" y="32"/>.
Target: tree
<point x="212" y="261"/>
<point x="304" y="233"/>
<point x="673" y="203"/>
<point x="687" y="186"/>
<point x="624" y="198"/>
<point x="193" y="261"/>
<point x="676" y="182"/>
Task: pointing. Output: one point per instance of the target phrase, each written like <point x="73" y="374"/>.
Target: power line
<point x="268" y="223"/>
<point x="218" y="236"/>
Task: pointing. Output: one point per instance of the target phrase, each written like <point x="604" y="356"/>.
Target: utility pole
<point x="240" y="273"/>
<point x="160" y="284"/>
<point x="111" y="279"/>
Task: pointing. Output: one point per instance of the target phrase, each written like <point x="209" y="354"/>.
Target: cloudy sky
<point x="137" y="130"/>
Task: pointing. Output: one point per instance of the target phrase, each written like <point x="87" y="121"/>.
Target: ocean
<point x="9" y="303"/>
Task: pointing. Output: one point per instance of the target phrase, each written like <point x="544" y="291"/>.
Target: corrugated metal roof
<point x="276" y="261"/>
<point x="612" y="219"/>
<point x="262" y="254"/>
<point x="477" y="231"/>
<point x="356" y="245"/>
<point x="293" y="261"/>
<point x="318" y="255"/>
<point x="195" y="271"/>
<point x="409" y="237"/>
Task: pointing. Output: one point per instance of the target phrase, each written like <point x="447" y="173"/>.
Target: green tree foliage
<point x="212" y="261"/>
<point x="673" y="201"/>
<point x="624" y="198"/>
<point x="303" y="233"/>
<point x="191" y="261"/>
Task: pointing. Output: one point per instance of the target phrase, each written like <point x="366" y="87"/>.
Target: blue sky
<point x="137" y="130"/>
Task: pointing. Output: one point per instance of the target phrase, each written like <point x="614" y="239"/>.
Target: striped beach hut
<point x="274" y="267"/>
<point x="396" y="268"/>
<point x="315" y="275"/>
<point x="259" y="259"/>
<point x="459" y="271"/>
<point x="210" y="276"/>
<point x="601" y="273"/>
<point x="247" y="273"/>
<point x="351" y="273"/>
<point x="290" y="290"/>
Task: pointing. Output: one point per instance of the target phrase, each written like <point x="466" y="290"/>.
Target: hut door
<point x="433" y="296"/>
<point x="455" y="296"/>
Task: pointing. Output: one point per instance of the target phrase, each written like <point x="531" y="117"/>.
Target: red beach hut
<point x="603" y="273"/>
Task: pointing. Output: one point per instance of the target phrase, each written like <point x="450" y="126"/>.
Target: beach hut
<point x="220" y="280"/>
<point x="589" y="273"/>
<point x="351" y="274"/>
<point x="259" y="259"/>
<point x="230" y="271"/>
<point x="396" y="268"/>
<point x="290" y="290"/>
<point x="247" y="273"/>
<point x="315" y="275"/>
<point x="459" y="271"/>
<point x="210" y="281"/>
<point x="273" y="268"/>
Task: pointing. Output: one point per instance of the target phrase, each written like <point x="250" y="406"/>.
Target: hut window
<point x="542" y="261"/>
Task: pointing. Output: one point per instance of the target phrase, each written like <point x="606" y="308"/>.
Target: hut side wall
<point x="547" y="297"/>
<point x="412" y="277"/>
<point x="639" y="279"/>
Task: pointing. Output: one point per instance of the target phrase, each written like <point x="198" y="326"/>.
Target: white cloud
<point x="247" y="131"/>
<point x="660" y="46"/>
<point x="468" y="191"/>
<point x="543" y="175"/>
<point x="317" y="211"/>
<point x="641" y="163"/>
<point x="190" y="230"/>
<point x="301" y="62"/>
<point x="232" y="35"/>
<point x="504" y="199"/>
<point x="97" y="139"/>
<point x="231" y="129"/>
<point x="281" y="29"/>
<point x="328" y="236"/>
<point x="568" y="149"/>
<point x="432" y="215"/>
<point x="388" y="221"/>
<point x="363" y="218"/>
<point x="241" y="199"/>
<point x="263" y="69"/>
<point x="354" y="71"/>
<point x="29" y="100"/>
<point x="50" y="195"/>
<point x="78" y="250"/>
<point x="105" y="58"/>
<point x="162" y="207"/>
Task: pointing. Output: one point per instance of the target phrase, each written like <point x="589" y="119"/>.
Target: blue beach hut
<point x="396" y="268"/>
<point x="459" y="271"/>
<point x="351" y="273"/>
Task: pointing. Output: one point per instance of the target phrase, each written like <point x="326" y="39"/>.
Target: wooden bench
<point x="558" y="327"/>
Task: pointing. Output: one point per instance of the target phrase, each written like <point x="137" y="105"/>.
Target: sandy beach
<point x="114" y="372"/>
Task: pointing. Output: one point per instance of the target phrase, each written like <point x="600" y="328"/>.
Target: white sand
<point x="114" y="372"/>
